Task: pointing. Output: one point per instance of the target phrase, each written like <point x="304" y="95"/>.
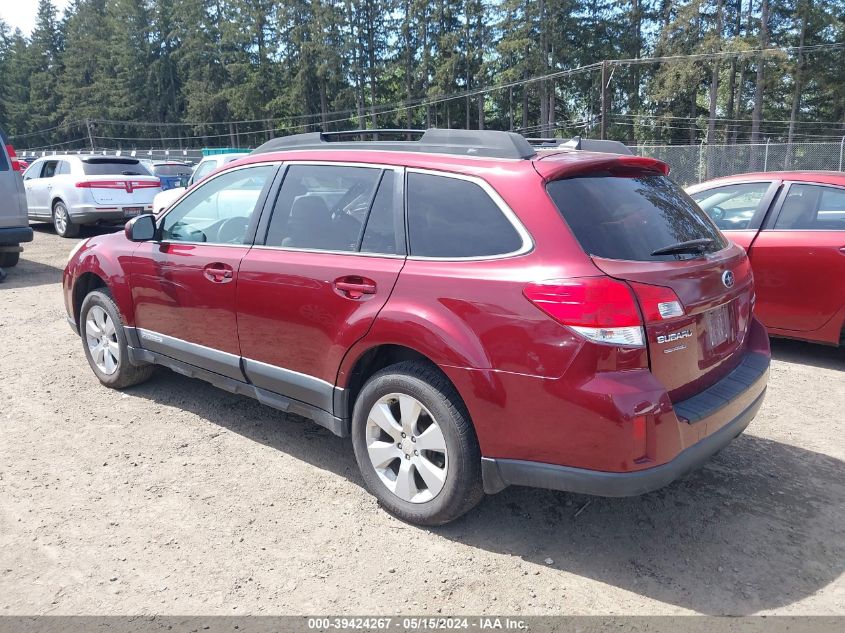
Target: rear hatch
<point x="118" y="182"/>
<point x="693" y="287"/>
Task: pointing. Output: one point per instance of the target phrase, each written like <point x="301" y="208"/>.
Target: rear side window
<point x="450" y="217"/>
<point x="632" y="216"/>
<point x="125" y="167"/>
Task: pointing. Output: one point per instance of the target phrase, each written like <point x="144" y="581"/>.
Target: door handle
<point x="354" y="287"/>
<point x="842" y="249"/>
<point x="218" y="273"/>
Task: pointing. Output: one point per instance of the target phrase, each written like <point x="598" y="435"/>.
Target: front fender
<point x="106" y="257"/>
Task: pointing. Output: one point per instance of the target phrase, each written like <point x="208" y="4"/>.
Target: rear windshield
<point x="632" y="216"/>
<point x="124" y="167"/>
<point x="172" y="170"/>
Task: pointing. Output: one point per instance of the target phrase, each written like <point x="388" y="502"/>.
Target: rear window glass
<point x="114" y="167"/>
<point x="172" y="170"/>
<point x="450" y="217"/>
<point x="631" y="217"/>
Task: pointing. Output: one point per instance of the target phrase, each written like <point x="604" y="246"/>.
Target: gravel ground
<point x="175" y="498"/>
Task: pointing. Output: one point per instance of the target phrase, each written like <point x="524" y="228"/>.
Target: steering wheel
<point x="716" y="212"/>
<point x="233" y="230"/>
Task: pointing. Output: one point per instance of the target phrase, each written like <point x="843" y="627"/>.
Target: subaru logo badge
<point x="728" y="279"/>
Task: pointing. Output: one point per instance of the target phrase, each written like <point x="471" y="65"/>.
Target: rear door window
<point x="456" y="218"/>
<point x="631" y="216"/>
<point x="812" y="208"/>
<point x="733" y="206"/>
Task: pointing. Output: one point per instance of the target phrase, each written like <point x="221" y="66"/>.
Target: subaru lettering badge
<point x="728" y="279"/>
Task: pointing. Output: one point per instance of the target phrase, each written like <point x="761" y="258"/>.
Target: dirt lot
<point x="173" y="497"/>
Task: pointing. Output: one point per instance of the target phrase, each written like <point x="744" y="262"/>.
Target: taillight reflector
<point x="658" y="302"/>
<point x="599" y="308"/>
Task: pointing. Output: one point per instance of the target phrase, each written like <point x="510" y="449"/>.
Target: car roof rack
<point x="584" y="144"/>
<point x="481" y="143"/>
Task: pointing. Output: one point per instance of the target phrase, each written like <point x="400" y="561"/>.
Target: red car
<point x="792" y="224"/>
<point x="474" y="313"/>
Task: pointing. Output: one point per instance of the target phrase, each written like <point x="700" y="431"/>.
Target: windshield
<point x="632" y="217"/>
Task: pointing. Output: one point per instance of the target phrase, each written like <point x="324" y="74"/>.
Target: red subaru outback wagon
<point x="473" y="312"/>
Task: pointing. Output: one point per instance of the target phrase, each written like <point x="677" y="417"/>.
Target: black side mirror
<point x="141" y="229"/>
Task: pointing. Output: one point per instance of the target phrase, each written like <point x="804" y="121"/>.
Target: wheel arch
<point x="54" y="199"/>
<point x="369" y="361"/>
<point x="86" y="283"/>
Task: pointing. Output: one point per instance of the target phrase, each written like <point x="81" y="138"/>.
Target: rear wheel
<point x="104" y="342"/>
<point x="416" y="446"/>
<point x="7" y="260"/>
<point x="61" y="221"/>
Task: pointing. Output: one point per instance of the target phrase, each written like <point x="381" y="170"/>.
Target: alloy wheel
<point x="61" y="218"/>
<point x="407" y="448"/>
<point x="101" y="338"/>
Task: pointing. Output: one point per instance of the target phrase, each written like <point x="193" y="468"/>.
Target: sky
<point x="21" y="13"/>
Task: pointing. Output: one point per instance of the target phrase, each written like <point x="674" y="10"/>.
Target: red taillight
<point x="13" y="158"/>
<point x="658" y="303"/>
<point x="101" y="184"/>
<point x="600" y="308"/>
<point x="126" y="185"/>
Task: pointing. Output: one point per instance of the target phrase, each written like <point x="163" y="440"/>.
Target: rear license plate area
<point x="130" y="211"/>
<point x="718" y="326"/>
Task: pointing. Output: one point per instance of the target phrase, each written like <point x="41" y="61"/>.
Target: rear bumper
<point x="15" y="235"/>
<point x="500" y="473"/>
<point x="709" y="421"/>
<point x="106" y="215"/>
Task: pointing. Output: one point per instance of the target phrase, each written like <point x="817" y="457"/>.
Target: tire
<point x="409" y="496"/>
<point x="119" y="373"/>
<point x="62" y="223"/>
<point x="7" y="260"/>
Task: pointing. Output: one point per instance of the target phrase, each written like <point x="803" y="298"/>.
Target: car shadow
<point x="759" y="527"/>
<point x="804" y="353"/>
<point x="28" y="273"/>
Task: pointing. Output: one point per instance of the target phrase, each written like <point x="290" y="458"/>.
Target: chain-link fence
<point x="696" y="163"/>
<point x="690" y="163"/>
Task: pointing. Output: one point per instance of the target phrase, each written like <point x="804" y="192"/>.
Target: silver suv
<point x="14" y="226"/>
<point x="72" y="190"/>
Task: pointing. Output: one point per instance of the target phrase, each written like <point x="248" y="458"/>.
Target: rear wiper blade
<point x="690" y="246"/>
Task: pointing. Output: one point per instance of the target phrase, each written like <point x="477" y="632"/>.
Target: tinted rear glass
<point x="630" y="217"/>
<point x="114" y="167"/>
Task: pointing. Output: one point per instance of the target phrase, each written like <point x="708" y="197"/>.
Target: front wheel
<point x="104" y="342"/>
<point x="64" y="226"/>
<point x="415" y="445"/>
